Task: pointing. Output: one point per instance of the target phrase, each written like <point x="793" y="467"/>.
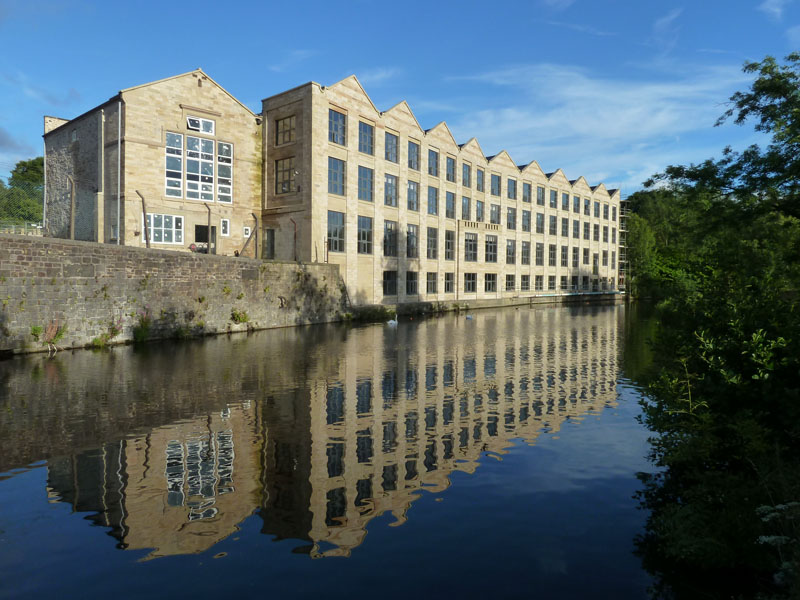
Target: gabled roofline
<point x="361" y="87"/>
<point x="575" y="182"/>
<point x="198" y="70"/>
<point x="411" y="112"/>
<point x="471" y="140"/>
<point x="530" y="166"/>
<point x="111" y="100"/>
<point x="498" y="155"/>
<point x="439" y="125"/>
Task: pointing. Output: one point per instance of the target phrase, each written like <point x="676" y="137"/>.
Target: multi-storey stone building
<point x="322" y="175"/>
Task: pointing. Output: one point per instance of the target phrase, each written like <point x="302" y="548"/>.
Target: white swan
<point x="392" y="323"/>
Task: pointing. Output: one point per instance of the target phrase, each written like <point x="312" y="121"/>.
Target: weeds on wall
<point x="144" y="322"/>
<point x="102" y="340"/>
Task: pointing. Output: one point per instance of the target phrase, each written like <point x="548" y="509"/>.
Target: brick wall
<point x="87" y="286"/>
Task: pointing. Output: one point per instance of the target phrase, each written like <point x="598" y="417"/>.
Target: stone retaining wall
<point x="93" y="289"/>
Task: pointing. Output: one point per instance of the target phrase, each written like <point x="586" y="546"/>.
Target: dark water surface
<point x="485" y="457"/>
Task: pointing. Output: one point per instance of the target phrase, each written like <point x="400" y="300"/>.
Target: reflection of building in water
<point x="341" y="425"/>
<point x="383" y="427"/>
<point x="178" y="490"/>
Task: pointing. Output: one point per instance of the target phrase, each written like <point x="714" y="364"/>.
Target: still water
<point x="492" y="456"/>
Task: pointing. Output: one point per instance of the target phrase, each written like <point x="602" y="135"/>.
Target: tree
<point x="725" y="503"/>
<point x="21" y="201"/>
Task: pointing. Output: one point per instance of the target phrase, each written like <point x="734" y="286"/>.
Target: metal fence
<point x="21" y="207"/>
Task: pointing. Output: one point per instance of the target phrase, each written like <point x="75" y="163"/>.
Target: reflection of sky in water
<point x="551" y="512"/>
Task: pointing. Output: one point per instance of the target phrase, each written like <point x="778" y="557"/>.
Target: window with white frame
<point x="199" y="169"/>
<point x="224" y="172"/>
<point x="225" y="227"/>
<point x="174" y="164"/>
<point x="206" y="126"/>
<point x="246" y="231"/>
<point x="165" y="229"/>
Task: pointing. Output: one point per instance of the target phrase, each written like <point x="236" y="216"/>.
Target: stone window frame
<point x="391" y="151"/>
<point x="336" y="243"/>
<point x="366" y="138"/>
<point x="337" y="127"/>
<point x="414" y="156"/>
<point x="390" y="192"/>
<point x="489" y="283"/>
<point x="433" y="162"/>
<point x="365" y="234"/>
<point x="490" y="249"/>
<point x="285" y="176"/>
<point x="173" y="158"/>
<point x="511" y="282"/>
<point x="201" y="125"/>
<point x="470" y="283"/>
<point x="285" y="130"/>
<point x="366" y="183"/>
<point x="337" y="178"/>
<point x="225" y="227"/>
<point x="450" y="169"/>
<point x="470" y="247"/>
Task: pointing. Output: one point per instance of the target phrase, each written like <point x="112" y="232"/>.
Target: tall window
<point x="511" y="218"/>
<point x="553" y="228"/>
<point x="586" y="228"/>
<point x="433" y="200"/>
<point x="412" y="241"/>
<point x="366" y="183"/>
<point x="551" y="255"/>
<point x="553" y="199"/>
<point x="605" y="212"/>
<point x="433" y="163"/>
<point x="336" y="174"/>
<point x="565" y="227"/>
<point x="490" y="249"/>
<point x="450" y="169"/>
<point x="613" y="213"/>
<point x="470" y="283"/>
<point x="539" y="222"/>
<point x="390" y="147"/>
<point x="199" y="169"/>
<point x="413" y="195"/>
<point x="479" y="180"/>
<point x="564" y="201"/>
<point x="494" y="214"/>
<point x="449" y="245"/>
<point x="174" y="158"/>
<point x="525" y="283"/>
<point x="284" y="176"/>
<point x="576" y="229"/>
<point x="526" y="192"/>
<point x="605" y="233"/>
<point x="510" y="283"/>
<point x="432" y="243"/>
<point x="366" y="138"/>
<point x="479" y="211"/>
<point x="412" y="283"/>
<point x="525" y="255"/>
<point x="597" y="209"/>
<point x="587" y="207"/>
<point x="576" y="204"/>
<point x="495" y="182"/>
<point x="449" y="283"/>
<point x="413" y="155"/>
<point x="575" y="258"/>
<point x="613" y="235"/>
<point x="450" y="205"/>
<point x="596" y="231"/>
<point x="511" y="251"/>
<point x="224" y="172"/>
<point x="605" y="258"/>
<point x="390" y="283"/>
<point x="490" y="282"/>
<point x="430" y="284"/>
<point x="511" y="188"/>
<point x="564" y="256"/>
<point x="335" y="231"/>
<point x="285" y="130"/>
<point x="364" y="235"/>
<point x="538" y="283"/>
<point x="539" y="254"/>
<point x="586" y="256"/>
<point x="390" y="190"/>
<point x="390" y="238"/>
<point x="526" y="220"/>
<point x="466" y="213"/>
<point x="470" y="247"/>
<point x="466" y="175"/>
<point x="540" y="195"/>
<point x="337" y="127"/>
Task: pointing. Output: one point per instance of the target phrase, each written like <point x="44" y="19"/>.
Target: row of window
<point x="490" y="280"/>
<point x="168" y="229"/>
<point x="392" y="242"/>
<point x="337" y="176"/>
<point x="337" y="134"/>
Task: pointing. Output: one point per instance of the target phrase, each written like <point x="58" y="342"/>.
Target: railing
<point x="21" y="228"/>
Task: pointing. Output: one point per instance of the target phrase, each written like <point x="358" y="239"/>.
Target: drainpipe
<point x="255" y="230"/>
<point x="458" y="257"/>
<point x="102" y="175"/>
<point x="44" y="191"/>
<point x="119" y="168"/>
<point x="295" y="237"/>
<point x="208" y="208"/>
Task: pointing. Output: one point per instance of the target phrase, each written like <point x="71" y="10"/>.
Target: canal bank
<point x="72" y="294"/>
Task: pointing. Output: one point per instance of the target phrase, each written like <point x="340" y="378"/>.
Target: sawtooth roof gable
<point x="558" y="177"/>
<point x="353" y="85"/>
<point x="442" y="131"/>
<point x="503" y="158"/>
<point x="580" y="184"/>
<point x="402" y="108"/>
<point x="533" y="169"/>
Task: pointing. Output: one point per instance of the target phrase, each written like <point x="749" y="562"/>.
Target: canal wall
<point x="98" y="294"/>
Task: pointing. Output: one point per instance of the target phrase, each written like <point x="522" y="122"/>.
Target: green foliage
<point x="719" y="245"/>
<point x="238" y="316"/>
<point x="141" y="330"/>
<point x="102" y="340"/>
<point x="36" y="331"/>
<point x="21" y="201"/>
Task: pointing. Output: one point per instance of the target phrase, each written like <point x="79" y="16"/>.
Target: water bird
<point x="469" y="317"/>
<point x="392" y="322"/>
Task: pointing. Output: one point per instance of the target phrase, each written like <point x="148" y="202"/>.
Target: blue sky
<point x="611" y="90"/>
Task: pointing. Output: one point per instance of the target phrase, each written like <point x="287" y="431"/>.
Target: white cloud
<point x="773" y="8"/>
<point x="378" y="75"/>
<point x="665" y="32"/>
<point x="611" y="130"/>
<point x="588" y="29"/>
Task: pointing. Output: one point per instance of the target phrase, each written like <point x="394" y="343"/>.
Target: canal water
<point x="489" y="455"/>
